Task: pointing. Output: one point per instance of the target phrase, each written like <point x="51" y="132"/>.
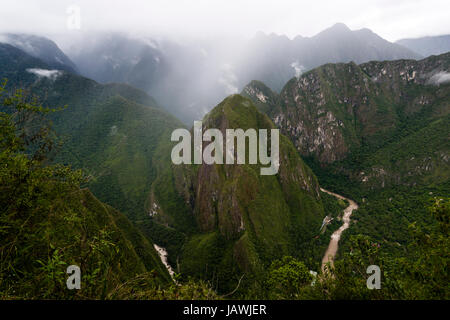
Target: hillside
<point x="378" y="123"/>
<point x="235" y="220"/>
<point x="48" y="222"/>
<point x="274" y="59"/>
<point x="378" y="133"/>
<point x="110" y="131"/>
<point x="41" y="48"/>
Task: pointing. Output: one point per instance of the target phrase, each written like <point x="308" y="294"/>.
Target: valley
<point x="87" y="173"/>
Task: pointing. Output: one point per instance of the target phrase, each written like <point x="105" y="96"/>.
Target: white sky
<point x="390" y="19"/>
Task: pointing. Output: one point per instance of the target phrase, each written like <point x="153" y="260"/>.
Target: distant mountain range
<point x="366" y="130"/>
<point x="275" y="59"/>
<point x="203" y="72"/>
<point x="427" y="46"/>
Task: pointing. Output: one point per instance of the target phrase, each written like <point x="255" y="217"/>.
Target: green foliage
<point x="47" y="223"/>
<point x="420" y="272"/>
<point x="142" y="288"/>
<point x="243" y="220"/>
<point x="286" y="278"/>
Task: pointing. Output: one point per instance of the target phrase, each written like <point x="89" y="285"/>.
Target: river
<point x="163" y="256"/>
<point x="336" y="236"/>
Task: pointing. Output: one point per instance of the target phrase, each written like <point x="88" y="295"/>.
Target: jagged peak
<point x="337" y="27"/>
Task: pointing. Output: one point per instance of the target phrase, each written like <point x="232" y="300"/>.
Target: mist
<point x="203" y="18"/>
<point x="189" y="55"/>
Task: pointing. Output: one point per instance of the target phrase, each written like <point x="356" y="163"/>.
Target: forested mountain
<point x="376" y="132"/>
<point x="41" y="48"/>
<point x="111" y="131"/>
<point x="235" y="220"/>
<point x="380" y="123"/>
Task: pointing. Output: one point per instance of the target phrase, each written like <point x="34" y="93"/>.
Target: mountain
<point x="114" y="57"/>
<point x="378" y="133"/>
<point x="41" y="48"/>
<point x="14" y="64"/>
<point x="264" y="98"/>
<point x="427" y="46"/>
<point x="340" y="44"/>
<point x="355" y="116"/>
<point x="235" y="221"/>
<point x="49" y="223"/>
<point x="123" y="145"/>
<point x="203" y="71"/>
<point x="275" y="59"/>
<point x="110" y="131"/>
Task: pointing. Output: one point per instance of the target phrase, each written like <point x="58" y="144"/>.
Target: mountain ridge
<point x="337" y="109"/>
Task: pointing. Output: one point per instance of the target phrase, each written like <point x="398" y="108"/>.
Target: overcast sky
<point x="390" y="19"/>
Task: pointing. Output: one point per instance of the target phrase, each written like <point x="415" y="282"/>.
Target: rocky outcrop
<point x="338" y="107"/>
<point x="258" y="216"/>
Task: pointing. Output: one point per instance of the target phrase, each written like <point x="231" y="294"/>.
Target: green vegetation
<point x="48" y="223"/>
<point x="376" y="133"/>
<point x="235" y="221"/>
<point x="286" y="278"/>
<point x="387" y="131"/>
<point x="421" y="272"/>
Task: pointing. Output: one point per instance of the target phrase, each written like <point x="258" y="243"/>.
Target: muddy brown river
<point x="334" y="241"/>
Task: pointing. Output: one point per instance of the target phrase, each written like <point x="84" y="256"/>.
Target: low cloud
<point x="298" y="68"/>
<point x="43" y="73"/>
<point x="440" y="78"/>
<point x="228" y="79"/>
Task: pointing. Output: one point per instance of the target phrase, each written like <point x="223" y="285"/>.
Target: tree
<point x="286" y="278"/>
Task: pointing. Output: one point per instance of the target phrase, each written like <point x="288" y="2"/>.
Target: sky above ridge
<point x="392" y="20"/>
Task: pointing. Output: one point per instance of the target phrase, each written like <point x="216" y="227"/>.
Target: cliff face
<point x="255" y="217"/>
<point x="343" y="111"/>
<point x="225" y="194"/>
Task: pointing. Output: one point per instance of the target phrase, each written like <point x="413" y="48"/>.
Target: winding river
<point x="334" y="241"/>
<point x="163" y="256"/>
<point x="331" y="251"/>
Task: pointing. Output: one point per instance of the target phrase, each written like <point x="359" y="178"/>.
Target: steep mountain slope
<point x="48" y="223"/>
<point x="378" y="133"/>
<point x="340" y="44"/>
<point x="41" y="48"/>
<point x="111" y="131"/>
<point x="14" y="64"/>
<point x="82" y="231"/>
<point x="116" y="145"/>
<point x="355" y="116"/>
<point x="427" y="46"/>
<point x="114" y="57"/>
<point x="235" y="220"/>
<point x="262" y="96"/>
